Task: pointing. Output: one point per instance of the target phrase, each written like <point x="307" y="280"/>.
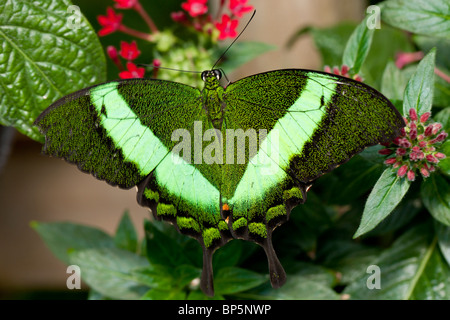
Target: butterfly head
<point x="211" y="78"/>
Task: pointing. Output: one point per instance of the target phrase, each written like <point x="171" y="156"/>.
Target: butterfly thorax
<point x="212" y="97"/>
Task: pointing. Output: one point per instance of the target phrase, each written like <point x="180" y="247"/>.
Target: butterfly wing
<point x="118" y="131"/>
<point x="315" y="121"/>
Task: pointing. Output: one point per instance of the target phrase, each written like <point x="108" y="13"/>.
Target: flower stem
<point x="138" y="7"/>
<point x="442" y="75"/>
<point x="135" y="33"/>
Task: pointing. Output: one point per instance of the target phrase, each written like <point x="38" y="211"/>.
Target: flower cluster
<point x="129" y="52"/>
<point x="342" y="72"/>
<point x="197" y="16"/>
<point x="416" y="147"/>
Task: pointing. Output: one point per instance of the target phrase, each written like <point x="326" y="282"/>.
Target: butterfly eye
<point x="204" y="73"/>
<point x="218" y="74"/>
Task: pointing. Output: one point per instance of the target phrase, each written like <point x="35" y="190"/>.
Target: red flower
<point x="178" y="16"/>
<point x="195" y="7"/>
<point x="132" y="72"/>
<point x="110" y="23"/>
<point x="125" y="4"/>
<point x="227" y="27"/>
<point x="129" y="51"/>
<point x="239" y="7"/>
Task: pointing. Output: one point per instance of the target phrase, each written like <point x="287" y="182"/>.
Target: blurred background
<point x="34" y="187"/>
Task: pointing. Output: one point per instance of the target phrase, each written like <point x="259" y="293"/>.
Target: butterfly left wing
<point x="315" y="121"/>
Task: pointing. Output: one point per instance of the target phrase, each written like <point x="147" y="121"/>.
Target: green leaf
<point x="385" y="196"/>
<point x="419" y="90"/>
<point x="43" y="57"/>
<point x="310" y="219"/>
<point x="443" y="117"/>
<point x="331" y="42"/>
<point x="295" y="288"/>
<point x="164" y="277"/>
<point x="435" y="193"/>
<point x="231" y="280"/>
<point x="394" y="81"/>
<point x="427" y="17"/>
<point x="443" y="234"/>
<point x="426" y="43"/>
<point x="109" y="271"/>
<point x="161" y="294"/>
<point x="243" y="52"/>
<point x="444" y="164"/>
<point x="359" y="176"/>
<point x="60" y="237"/>
<point x="126" y="236"/>
<point x="358" y="46"/>
<point x="313" y="272"/>
<point x="412" y="268"/>
<point x="162" y="249"/>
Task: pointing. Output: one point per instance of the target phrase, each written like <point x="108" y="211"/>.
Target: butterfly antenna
<point x="235" y="39"/>
<point x="165" y="68"/>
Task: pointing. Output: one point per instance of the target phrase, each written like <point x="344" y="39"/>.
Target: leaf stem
<point x="442" y="75"/>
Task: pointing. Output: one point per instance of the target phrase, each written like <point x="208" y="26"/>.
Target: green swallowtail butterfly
<point x="223" y="162"/>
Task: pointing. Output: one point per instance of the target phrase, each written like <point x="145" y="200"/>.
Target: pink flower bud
<point x="436" y="127"/>
<point x="402" y="171"/>
<point x="422" y="144"/>
<point x="428" y="130"/>
<point x="441" y="136"/>
<point x="344" y="69"/>
<point x="413" y="114"/>
<point x="397" y="164"/>
<point x="385" y="151"/>
<point x="420" y="137"/>
<point x="112" y="52"/>
<point x="396" y="141"/>
<point x="404" y="143"/>
<point x="336" y="70"/>
<point x="390" y="161"/>
<point x="400" y="152"/>
<point x="413" y="134"/>
<point x="357" y="78"/>
<point x="327" y="69"/>
<point x="440" y="155"/>
<point x="431" y="158"/>
<point x="425" y="173"/>
<point x="413" y="156"/>
<point x="156" y="63"/>
<point x="402" y="132"/>
<point x="178" y="16"/>
<point x="411" y="175"/>
<point x="424" y="117"/>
